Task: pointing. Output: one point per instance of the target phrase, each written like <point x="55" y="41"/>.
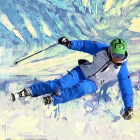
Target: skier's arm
<point x="126" y="87"/>
<point x="86" y="46"/>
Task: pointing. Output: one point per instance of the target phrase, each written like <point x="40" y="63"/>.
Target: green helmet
<point x="118" y="46"/>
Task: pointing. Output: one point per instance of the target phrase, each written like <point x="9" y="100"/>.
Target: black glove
<point x="128" y="114"/>
<point x="64" y="41"/>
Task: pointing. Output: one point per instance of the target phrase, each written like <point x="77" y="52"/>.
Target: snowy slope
<point x="28" y="26"/>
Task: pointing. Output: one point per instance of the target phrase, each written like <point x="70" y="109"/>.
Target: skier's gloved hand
<point x="128" y="115"/>
<point x="64" y="41"/>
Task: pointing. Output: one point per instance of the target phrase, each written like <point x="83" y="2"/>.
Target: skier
<point x="109" y="62"/>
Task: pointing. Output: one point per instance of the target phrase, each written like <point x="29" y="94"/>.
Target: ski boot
<point x="24" y="93"/>
<point x="48" y="100"/>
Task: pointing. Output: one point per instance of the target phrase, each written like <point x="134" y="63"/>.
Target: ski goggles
<point x="115" y="55"/>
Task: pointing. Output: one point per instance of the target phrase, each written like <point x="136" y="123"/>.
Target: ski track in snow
<point x="27" y="27"/>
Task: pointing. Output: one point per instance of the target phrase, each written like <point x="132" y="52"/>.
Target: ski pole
<point x="34" y="54"/>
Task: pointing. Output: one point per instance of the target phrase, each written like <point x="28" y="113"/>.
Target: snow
<point x="27" y="27"/>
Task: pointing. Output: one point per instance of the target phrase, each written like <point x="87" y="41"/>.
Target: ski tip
<point x="13" y="97"/>
<point x="44" y="101"/>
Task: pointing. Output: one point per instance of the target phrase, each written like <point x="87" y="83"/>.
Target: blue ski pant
<point x="71" y="86"/>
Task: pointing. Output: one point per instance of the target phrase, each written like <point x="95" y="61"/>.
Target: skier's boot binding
<point x="24" y="93"/>
<point x="47" y="100"/>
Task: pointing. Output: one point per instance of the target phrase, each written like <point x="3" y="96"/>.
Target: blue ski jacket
<point x="125" y="84"/>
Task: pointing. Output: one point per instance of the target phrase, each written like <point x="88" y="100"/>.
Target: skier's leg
<point x="69" y="80"/>
<point x="77" y="91"/>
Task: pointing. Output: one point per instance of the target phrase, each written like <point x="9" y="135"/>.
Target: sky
<point x="27" y="27"/>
